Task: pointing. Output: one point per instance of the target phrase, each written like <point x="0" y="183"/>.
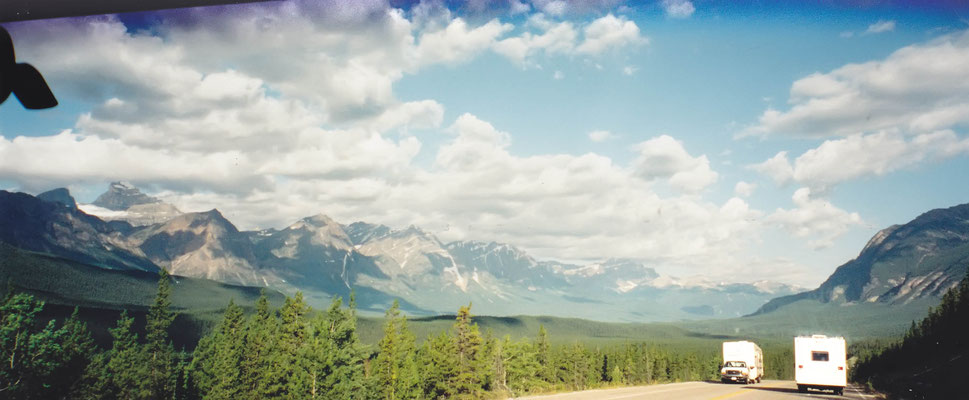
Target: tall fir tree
<point x="523" y="367"/>
<point x="260" y="338"/>
<point x="288" y="373"/>
<point x="217" y="365"/>
<point x="35" y="362"/>
<point x="122" y="371"/>
<point x="77" y="348"/>
<point x="339" y="374"/>
<point x="161" y="354"/>
<point x="544" y="355"/>
<point x="17" y="319"/>
<point x="438" y="366"/>
<point x="395" y="367"/>
<point x="470" y="364"/>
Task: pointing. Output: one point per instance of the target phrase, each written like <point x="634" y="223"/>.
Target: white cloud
<point x="846" y="34"/>
<point x="553" y="7"/>
<point x="518" y="7"/>
<point x="881" y="26"/>
<point x="777" y="168"/>
<point x="558" y="75"/>
<point x="744" y="189"/>
<point x="562" y="38"/>
<point x="610" y="32"/>
<point x="678" y="8"/>
<point x="916" y="89"/>
<point x="815" y="219"/>
<point x="629" y="70"/>
<point x="556" y="38"/>
<point x="458" y="42"/>
<point x="207" y="116"/>
<point x="665" y="157"/>
<point x="72" y="158"/>
<point x="600" y="136"/>
<point x="841" y="160"/>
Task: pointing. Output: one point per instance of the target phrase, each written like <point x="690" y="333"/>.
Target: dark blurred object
<point x="21" y="10"/>
<point x="23" y="80"/>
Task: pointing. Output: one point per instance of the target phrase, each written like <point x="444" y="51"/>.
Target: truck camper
<point x="820" y="363"/>
<point x="743" y="362"/>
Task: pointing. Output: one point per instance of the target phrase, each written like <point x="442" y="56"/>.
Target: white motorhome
<point x="743" y="362"/>
<point x="820" y="362"/>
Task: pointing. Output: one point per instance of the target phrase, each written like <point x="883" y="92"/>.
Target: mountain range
<point x="901" y="264"/>
<point x="127" y="229"/>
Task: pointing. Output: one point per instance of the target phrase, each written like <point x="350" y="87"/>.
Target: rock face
<point x="52" y="227"/>
<point x="901" y="263"/>
<point x="121" y="196"/>
<point x="202" y="245"/>
<point x="123" y="202"/>
<point x="59" y="196"/>
<point x="379" y="264"/>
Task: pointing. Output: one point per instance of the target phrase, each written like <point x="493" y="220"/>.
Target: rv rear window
<point x="819" y="356"/>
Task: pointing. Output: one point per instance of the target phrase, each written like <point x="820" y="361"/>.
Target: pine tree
<point x="521" y="362"/>
<point x="499" y="357"/>
<point x="439" y="366"/>
<point x="395" y="367"/>
<point x="125" y="367"/>
<point x="77" y="349"/>
<point x="261" y="345"/>
<point x="339" y="371"/>
<point x="17" y="318"/>
<point x="471" y="365"/>
<point x="547" y="373"/>
<point x="218" y="360"/>
<point x="288" y="373"/>
<point x="161" y="353"/>
<point x="40" y="363"/>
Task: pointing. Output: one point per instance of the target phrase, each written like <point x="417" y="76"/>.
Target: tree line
<point x="295" y="353"/>
<point x="928" y="362"/>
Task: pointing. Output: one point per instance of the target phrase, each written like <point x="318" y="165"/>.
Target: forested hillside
<point x="929" y="362"/>
<point x="294" y="352"/>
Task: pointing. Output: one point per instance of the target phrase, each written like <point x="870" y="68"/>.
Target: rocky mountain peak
<point x="902" y="263"/>
<point x="319" y="220"/>
<point x="879" y="238"/>
<point x="362" y="232"/>
<point x="59" y="196"/>
<point x="320" y="230"/>
<point x="121" y="196"/>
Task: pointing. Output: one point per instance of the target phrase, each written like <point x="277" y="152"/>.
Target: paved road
<point x="707" y="390"/>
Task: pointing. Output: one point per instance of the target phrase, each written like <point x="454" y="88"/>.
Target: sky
<point x="734" y="141"/>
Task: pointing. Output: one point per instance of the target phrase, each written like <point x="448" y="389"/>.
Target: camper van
<point x="743" y="362"/>
<point x="820" y="363"/>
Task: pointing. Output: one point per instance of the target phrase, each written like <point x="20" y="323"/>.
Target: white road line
<point x="679" y="386"/>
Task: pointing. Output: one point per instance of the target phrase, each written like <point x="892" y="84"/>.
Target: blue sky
<point x="730" y="141"/>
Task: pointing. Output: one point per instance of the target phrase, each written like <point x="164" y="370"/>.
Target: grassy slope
<point x="103" y="293"/>
<point x="854" y="322"/>
<point x="806" y="317"/>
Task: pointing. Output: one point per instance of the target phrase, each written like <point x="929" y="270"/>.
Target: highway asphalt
<point x="767" y="390"/>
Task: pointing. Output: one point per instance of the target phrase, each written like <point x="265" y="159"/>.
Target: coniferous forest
<point x="295" y="352"/>
<point x="929" y="362"/>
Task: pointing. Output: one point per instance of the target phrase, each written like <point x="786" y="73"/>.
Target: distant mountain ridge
<point x="121" y="196"/>
<point x="902" y="263"/>
<point x="379" y="264"/>
<point x="52" y="227"/>
<point x="124" y="202"/>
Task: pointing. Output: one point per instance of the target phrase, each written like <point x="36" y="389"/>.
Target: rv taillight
<point x="800" y="366"/>
<point x="841" y="368"/>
